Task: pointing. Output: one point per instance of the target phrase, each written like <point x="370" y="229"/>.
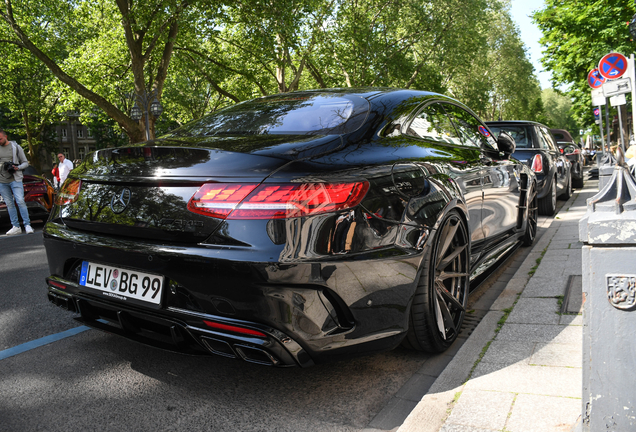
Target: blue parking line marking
<point x="27" y="346"/>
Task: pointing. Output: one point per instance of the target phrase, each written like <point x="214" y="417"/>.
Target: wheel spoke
<point x="443" y="292"/>
<point x="439" y="318"/>
<point x="448" y="275"/>
<point x="448" y="234"/>
<point x="447" y="319"/>
<point x="446" y="261"/>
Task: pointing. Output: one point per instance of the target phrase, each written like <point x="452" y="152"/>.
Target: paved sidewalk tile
<point x="482" y="409"/>
<point x="535" y="311"/>
<point x="537" y="413"/>
<point x="517" y="378"/>
<point x="553" y="354"/>
<point x="507" y="353"/>
<point x="540" y="333"/>
<point x="545" y="286"/>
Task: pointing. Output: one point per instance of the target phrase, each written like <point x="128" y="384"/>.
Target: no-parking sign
<point x="594" y="79"/>
<point x="612" y="65"/>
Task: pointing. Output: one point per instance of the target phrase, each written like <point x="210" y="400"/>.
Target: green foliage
<point x="202" y="55"/>
<point x="558" y="112"/>
<point x="576" y="35"/>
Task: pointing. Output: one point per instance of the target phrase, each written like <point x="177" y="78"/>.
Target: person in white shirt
<point x="65" y="166"/>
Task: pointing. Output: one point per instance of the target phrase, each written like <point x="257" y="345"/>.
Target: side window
<point x="549" y="139"/>
<point x="471" y="130"/>
<point x="543" y="142"/>
<point x="433" y="124"/>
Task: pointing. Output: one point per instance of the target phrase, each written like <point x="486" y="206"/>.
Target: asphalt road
<point x="93" y="381"/>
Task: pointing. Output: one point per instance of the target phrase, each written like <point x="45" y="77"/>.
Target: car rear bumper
<point x="174" y="332"/>
<point x="310" y="312"/>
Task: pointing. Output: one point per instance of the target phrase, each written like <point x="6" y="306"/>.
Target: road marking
<point x="27" y="346"/>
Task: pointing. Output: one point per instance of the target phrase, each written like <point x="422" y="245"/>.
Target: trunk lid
<point x="143" y="191"/>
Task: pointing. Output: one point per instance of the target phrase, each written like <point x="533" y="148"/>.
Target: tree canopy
<point x="576" y="35"/>
<point x="196" y="56"/>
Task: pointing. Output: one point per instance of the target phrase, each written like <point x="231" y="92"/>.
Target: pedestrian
<point x="12" y="162"/>
<point x="56" y="176"/>
<point x="65" y="166"/>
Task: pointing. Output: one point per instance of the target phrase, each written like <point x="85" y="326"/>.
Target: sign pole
<point x="632" y="76"/>
<point x="620" y="126"/>
<point x="600" y="128"/>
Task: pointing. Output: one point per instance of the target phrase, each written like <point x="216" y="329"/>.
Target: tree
<point x="576" y="35"/>
<point x="27" y="92"/>
<point x="122" y="39"/>
<point x="558" y="111"/>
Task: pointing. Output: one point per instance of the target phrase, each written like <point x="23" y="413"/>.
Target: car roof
<point x="562" y="135"/>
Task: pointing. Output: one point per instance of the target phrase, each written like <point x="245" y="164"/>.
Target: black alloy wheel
<point x="547" y="204"/>
<point x="532" y="215"/>
<point x="440" y="300"/>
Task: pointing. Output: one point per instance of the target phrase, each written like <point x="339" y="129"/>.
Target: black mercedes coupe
<point x="292" y="229"/>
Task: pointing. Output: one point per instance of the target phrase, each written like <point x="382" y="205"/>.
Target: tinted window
<point x="432" y="123"/>
<point x="471" y="130"/>
<point x="289" y="114"/>
<point x="521" y="134"/>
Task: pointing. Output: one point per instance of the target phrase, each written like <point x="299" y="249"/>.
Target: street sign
<point x="618" y="100"/>
<point x="598" y="98"/>
<point x="612" y="65"/>
<point x="616" y="87"/>
<point x="594" y="79"/>
<point x="597" y="113"/>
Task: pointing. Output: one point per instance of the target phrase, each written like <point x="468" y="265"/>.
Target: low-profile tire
<point x="547" y="204"/>
<point x="440" y="300"/>
<point x="567" y="193"/>
<point x="532" y="215"/>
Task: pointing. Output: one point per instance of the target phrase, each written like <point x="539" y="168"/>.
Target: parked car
<point x="573" y="151"/>
<point x="537" y="148"/>
<point x="38" y="195"/>
<point x="292" y="229"/>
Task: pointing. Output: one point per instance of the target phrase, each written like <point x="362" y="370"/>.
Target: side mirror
<point x="506" y="144"/>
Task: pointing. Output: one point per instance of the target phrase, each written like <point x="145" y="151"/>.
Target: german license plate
<point x="122" y="283"/>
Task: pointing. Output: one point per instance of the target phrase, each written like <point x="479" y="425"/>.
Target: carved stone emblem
<point x="621" y="291"/>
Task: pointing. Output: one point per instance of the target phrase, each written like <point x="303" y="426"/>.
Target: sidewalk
<point x="520" y="370"/>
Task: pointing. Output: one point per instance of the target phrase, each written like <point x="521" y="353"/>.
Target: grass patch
<point x="500" y="324"/>
<point x="535" y="267"/>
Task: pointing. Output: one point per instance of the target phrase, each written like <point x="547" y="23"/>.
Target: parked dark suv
<point x="573" y="152"/>
<point x="537" y="148"/>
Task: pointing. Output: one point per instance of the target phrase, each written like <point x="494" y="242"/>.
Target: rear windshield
<point x="521" y="134"/>
<point x="285" y="114"/>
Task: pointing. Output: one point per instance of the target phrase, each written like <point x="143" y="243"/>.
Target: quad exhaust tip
<point x="248" y="353"/>
<point x="62" y="301"/>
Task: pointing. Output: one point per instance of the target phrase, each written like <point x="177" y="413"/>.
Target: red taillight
<point x="219" y="199"/>
<point x="57" y="285"/>
<point x="275" y="201"/>
<point x="69" y="193"/>
<point x="537" y="163"/>
<point x="234" y="329"/>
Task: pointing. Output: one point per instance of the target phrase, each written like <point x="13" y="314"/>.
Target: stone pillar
<point x="609" y="317"/>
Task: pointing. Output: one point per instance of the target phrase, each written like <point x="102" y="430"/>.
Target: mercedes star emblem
<point x="120" y="201"/>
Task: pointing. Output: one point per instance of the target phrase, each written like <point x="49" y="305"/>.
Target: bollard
<point x="609" y="316"/>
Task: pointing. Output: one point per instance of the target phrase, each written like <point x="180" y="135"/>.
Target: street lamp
<point x="149" y="105"/>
